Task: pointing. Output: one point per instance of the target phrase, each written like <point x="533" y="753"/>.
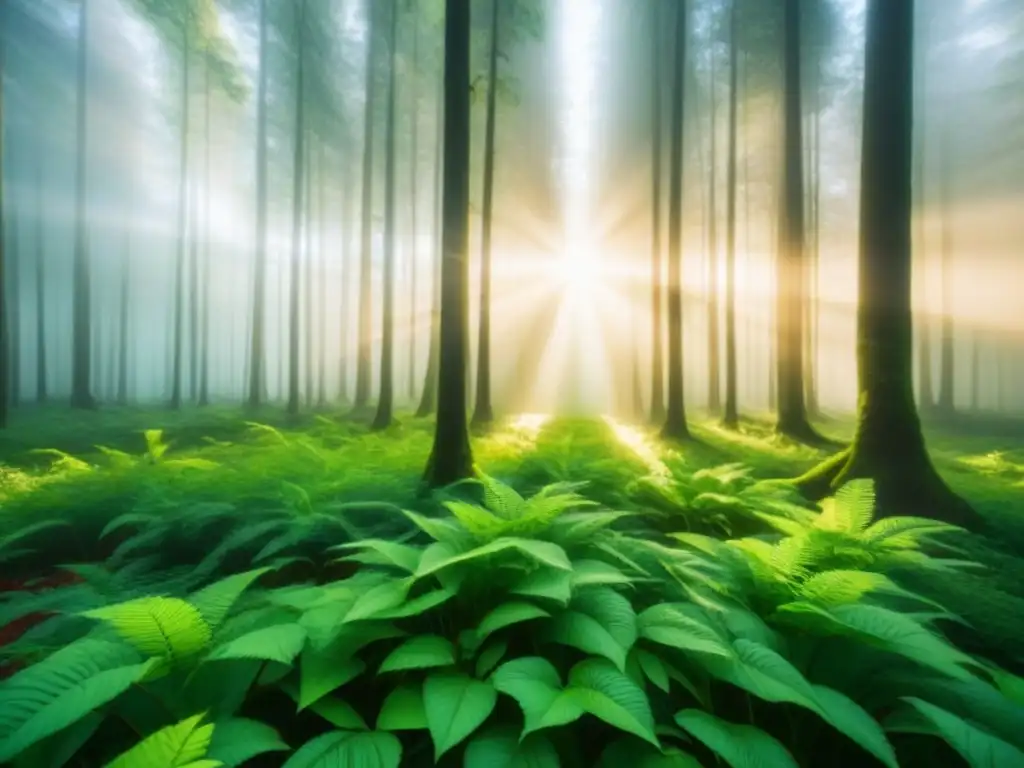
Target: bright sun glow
<point x="641" y="444"/>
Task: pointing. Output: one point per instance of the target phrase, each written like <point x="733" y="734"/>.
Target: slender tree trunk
<point x="414" y="163"/>
<point x="657" y="285"/>
<point x="888" y="445"/>
<point x="731" y="416"/>
<point x="41" y="372"/>
<point x="947" y="398"/>
<point x="428" y="395"/>
<point x="124" y="305"/>
<point x="365" y="322"/>
<point x="298" y="171"/>
<point x="207" y="276"/>
<point x="257" y="340"/>
<point x="714" y="309"/>
<point x="194" y="299"/>
<point x="81" y="309"/>
<point x="5" y="387"/>
<point x="483" y="413"/>
<point x="791" y="278"/>
<point x="451" y="458"/>
<point x="321" y="346"/>
<point x="675" y="418"/>
<point x="814" y="252"/>
<point x="348" y="224"/>
<point x="385" y="402"/>
<point x="306" y="267"/>
<point x="183" y="201"/>
<point x="14" y="258"/>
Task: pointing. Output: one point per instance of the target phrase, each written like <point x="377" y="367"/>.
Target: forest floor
<point x="87" y="469"/>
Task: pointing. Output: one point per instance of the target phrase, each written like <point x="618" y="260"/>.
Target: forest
<point x="511" y="383"/>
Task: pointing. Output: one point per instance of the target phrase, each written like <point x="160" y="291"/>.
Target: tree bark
<point x="414" y="162"/>
<point x="714" y="308"/>
<point x="888" y="446"/>
<point x="298" y="190"/>
<point x="451" y="458"/>
<point x="657" y="286"/>
<point x="204" y="312"/>
<point x="81" y="308"/>
<point x="947" y="398"/>
<point x="178" y="352"/>
<point x="731" y="416"/>
<point x="675" y="418"/>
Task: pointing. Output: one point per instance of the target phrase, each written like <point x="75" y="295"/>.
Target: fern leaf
<point x="502" y="499"/>
<point x="182" y="745"/>
<point x="855" y="505"/>
<point x="158" y="626"/>
<point x="215" y="600"/>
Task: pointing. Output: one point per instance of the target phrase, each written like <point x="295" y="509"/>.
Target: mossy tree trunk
<point x="451" y="458"/>
<point x="888" y="445"/>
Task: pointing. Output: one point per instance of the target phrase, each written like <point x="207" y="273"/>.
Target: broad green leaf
<point x="608" y="694"/>
<point x="741" y="746"/>
<point x="63" y="688"/>
<point x="547" y="583"/>
<point x="578" y="630"/>
<point x="158" y="626"/>
<point x="542" y="552"/>
<point x="322" y="671"/>
<point x="420" y="652"/>
<point x="653" y="668"/>
<point x="281" y="643"/>
<point x="57" y="750"/>
<point x="667" y="625"/>
<point x="611" y="610"/>
<point x="383" y="597"/>
<point x="597" y="572"/>
<point x="479" y="521"/>
<point x="501" y="747"/>
<point x="508" y="614"/>
<point x="502" y="499"/>
<point x="403" y="710"/>
<point x="456" y="705"/>
<point x="848" y="717"/>
<point x="535" y="685"/>
<point x="417" y="606"/>
<point x="489" y="657"/>
<point x="341" y="749"/>
<point x="176" y="746"/>
<point x="215" y="601"/>
<point x="764" y="673"/>
<point x="382" y="552"/>
<point x="238" y="740"/>
<point x="979" y="748"/>
<point x="339" y="713"/>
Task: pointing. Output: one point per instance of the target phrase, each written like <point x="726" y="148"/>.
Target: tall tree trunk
<point x="428" y="395"/>
<point x="81" y="308"/>
<point x="298" y="171"/>
<point x="976" y="370"/>
<point x="123" y="313"/>
<point x="14" y="259"/>
<point x="385" y="402"/>
<point x="926" y="387"/>
<point x="306" y="266"/>
<point x="888" y="445"/>
<point x="348" y="224"/>
<point x="414" y="162"/>
<point x="5" y="387"/>
<point x="814" y="252"/>
<point x="731" y="416"/>
<point x="321" y="345"/>
<point x="41" y="372"/>
<point x="194" y="299"/>
<point x="257" y="338"/>
<point x="790" y="280"/>
<point x="179" y="276"/>
<point x="483" y="413"/>
<point x="947" y="398"/>
<point x="675" y="417"/>
<point x="207" y="292"/>
<point x="365" y="322"/>
<point x="451" y="458"/>
<point x="714" y="309"/>
<point x="657" y="286"/>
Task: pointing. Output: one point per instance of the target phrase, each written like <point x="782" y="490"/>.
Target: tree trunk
<point x="675" y="418"/>
<point x="41" y="372"/>
<point x="204" y="317"/>
<point x="321" y="346"/>
<point x="731" y="416"/>
<point x="414" y="163"/>
<point x="348" y="225"/>
<point x="814" y="252"/>
<point x="306" y="270"/>
<point x="451" y="458"/>
<point x="428" y="395"/>
<point x="385" y="402"/>
<point x="298" y="187"/>
<point x="179" y="276"/>
<point x="365" y="321"/>
<point x="657" y="286"/>
<point x="13" y="301"/>
<point x="4" y="327"/>
<point x="790" y="279"/>
<point x="888" y="446"/>
<point x="194" y="299"/>
<point x="926" y="388"/>
<point x="947" y="400"/>
<point x="81" y="308"/>
<point x="257" y="352"/>
<point x="714" y="378"/>
<point x="123" y="311"/>
<point x="483" y="413"/>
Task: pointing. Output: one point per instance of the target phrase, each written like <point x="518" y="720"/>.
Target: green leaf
<point x="666" y="624"/>
<point x="741" y="746"/>
<point x="608" y="694"/>
<point x="477" y="520"/>
<point x="57" y="750"/>
<point x="979" y="748"/>
<point x="341" y="749"/>
<point x="62" y="689"/>
<point x="176" y="746"/>
<point x="417" y="606"/>
<point x="653" y="668"/>
<point x="629" y="752"/>
<point x="588" y="573"/>
<point x="489" y="657"/>
<point x="764" y="673"/>
<point x="508" y="614"/>
<point x="339" y="713"/>
<point x="546" y="583"/>
<point x="501" y="747"/>
<point x="403" y="710"/>
<point x="215" y="601"/>
<point x="382" y="552"/>
<point x="238" y="740"/>
<point x="502" y="499"/>
<point x="456" y="705"/>
<point x="280" y="643"/>
<point x="158" y="626"/>
<point x="383" y="597"/>
<point x="849" y="718"/>
<point x="322" y="671"/>
<point x="542" y="552"/>
<point x="420" y="652"/>
<point x="578" y="630"/>
<point x="535" y="685"/>
<point x="611" y="610"/>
